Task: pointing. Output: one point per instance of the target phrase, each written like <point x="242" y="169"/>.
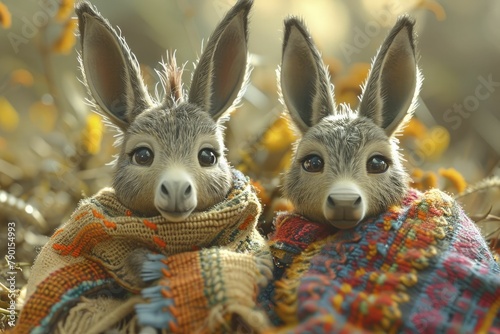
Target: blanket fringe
<point x="82" y="317"/>
<point x="253" y="319"/>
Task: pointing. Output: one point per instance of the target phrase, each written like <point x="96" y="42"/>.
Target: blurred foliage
<point x="5" y="17"/>
<point x="54" y="150"/>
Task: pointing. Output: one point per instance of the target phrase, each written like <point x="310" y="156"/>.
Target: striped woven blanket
<point x="106" y="262"/>
<point x="422" y="267"/>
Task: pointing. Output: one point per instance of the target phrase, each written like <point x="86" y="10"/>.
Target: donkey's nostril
<point x="188" y="190"/>
<point x="344" y="199"/>
<point x="164" y="189"/>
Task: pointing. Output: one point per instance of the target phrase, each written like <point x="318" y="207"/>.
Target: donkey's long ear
<point x="394" y="81"/>
<point x="305" y="83"/>
<point x="111" y="71"/>
<point x="222" y="67"/>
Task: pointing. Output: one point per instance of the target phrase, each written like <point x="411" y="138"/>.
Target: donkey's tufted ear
<point x="221" y="71"/>
<point x="394" y="82"/>
<point x="305" y="83"/>
<point x="110" y="70"/>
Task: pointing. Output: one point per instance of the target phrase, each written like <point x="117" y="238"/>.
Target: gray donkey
<point x="172" y="159"/>
<point x="139" y="254"/>
<point x="347" y="166"/>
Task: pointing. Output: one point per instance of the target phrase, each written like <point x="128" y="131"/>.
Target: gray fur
<point x="343" y="192"/>
<point x="176" y="128"/>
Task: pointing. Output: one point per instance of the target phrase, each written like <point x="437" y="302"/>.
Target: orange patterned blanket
<point x="87" y="278"/>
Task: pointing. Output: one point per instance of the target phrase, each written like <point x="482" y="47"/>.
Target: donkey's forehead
<point x="346" y="131"/>
<point x="184" y="121"/>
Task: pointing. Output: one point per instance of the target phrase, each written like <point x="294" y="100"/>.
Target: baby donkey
<point x="346" y="166"/>
<point x="172" y="159"/>
<point x="415" y="261"/>
<point x="174" y="244"/>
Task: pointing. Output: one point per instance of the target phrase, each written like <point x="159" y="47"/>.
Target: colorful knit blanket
<point x="422" y="267"/>
<point x="89" y="277"/>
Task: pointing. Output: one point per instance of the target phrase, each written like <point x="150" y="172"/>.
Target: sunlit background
<point x="54" y="150"/>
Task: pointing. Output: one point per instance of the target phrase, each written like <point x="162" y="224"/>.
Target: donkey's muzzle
<point x="175" y="197"/>
<point x="344" y="207"/>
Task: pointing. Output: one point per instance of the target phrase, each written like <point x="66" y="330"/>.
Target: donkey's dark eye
<point x="207" y="157"/>
<point x="142" y="156"/>
<point x="377" y="164"/>
<point x="312" y="164"/>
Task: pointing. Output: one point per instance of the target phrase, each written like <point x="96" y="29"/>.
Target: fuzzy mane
<point x="171" y="82"/>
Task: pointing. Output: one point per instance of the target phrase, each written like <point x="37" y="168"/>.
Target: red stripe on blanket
<point x="86" y="239"/>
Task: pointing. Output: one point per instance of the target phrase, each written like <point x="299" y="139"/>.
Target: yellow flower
<point x="429" y="180"/>
<point x="5" y="17"/>
<point x="434" y="143"/>
<point x="415" y="129"/>
<point x="280" y="204"/>
<point x="434" y="7"/>
<point x="22" y="77"/>
<point x="279" y="136"/>
<point x="92" y="134"/>
<point x="360" y="71"/>
<point x="65" y="42"/>
<point x="348" y="87"/>
<point x="417" y="173"/>
<point x="334" y="66"/>
<point x="65" y="9"/>
<point x="10" y="117"/>
<point x="456" y="179"/>
<point x="349" y="97"/>
<point x="247" y="163"/>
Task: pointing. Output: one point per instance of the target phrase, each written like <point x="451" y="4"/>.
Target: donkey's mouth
<point x="175" y="216"/>
<point x="343" y="219"/>
<point x="344" y="224"/>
